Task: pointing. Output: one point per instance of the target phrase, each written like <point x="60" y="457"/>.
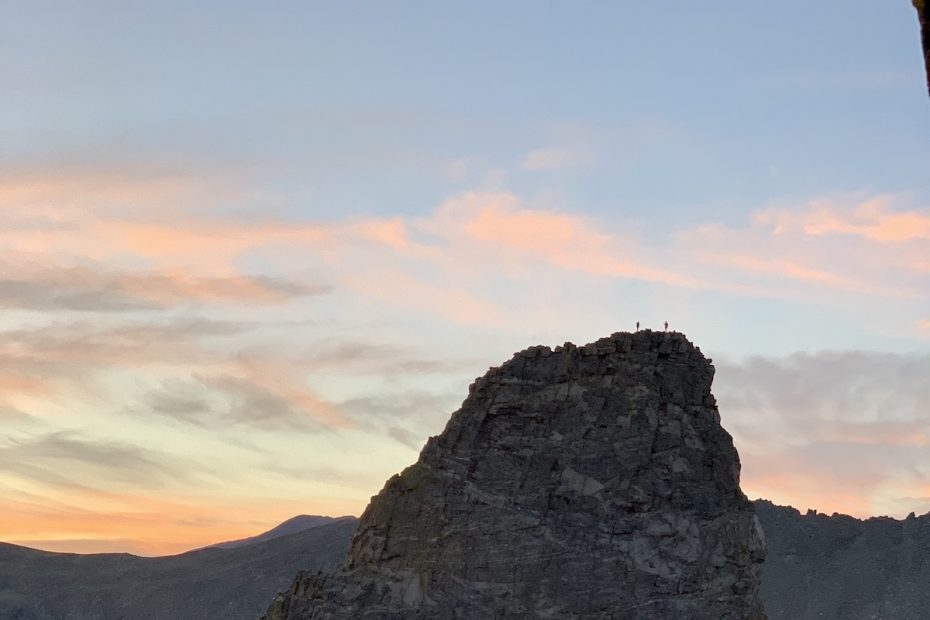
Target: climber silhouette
<point x="666" y="326"/>
<point x="637" y="325"/>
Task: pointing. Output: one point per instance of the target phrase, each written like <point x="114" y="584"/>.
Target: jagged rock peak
<point x="586" y="481"/>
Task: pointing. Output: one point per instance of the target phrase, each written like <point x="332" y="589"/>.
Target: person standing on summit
<point x="666" y="326"/>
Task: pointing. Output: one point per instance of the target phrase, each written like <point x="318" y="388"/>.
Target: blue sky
<point x="229" y="229"/>
<point x="692" y="113"/>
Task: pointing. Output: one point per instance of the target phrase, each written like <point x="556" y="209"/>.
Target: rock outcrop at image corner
<point x="580" y="482"/>
<point x="923" y="17"/>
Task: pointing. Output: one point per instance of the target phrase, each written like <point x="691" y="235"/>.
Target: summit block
<point x="586" y="481"/>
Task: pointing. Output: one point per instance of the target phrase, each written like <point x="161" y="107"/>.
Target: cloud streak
<point x="840" y="431"/>
<point x="65" y="459"/>
<point x="67" y="258"/>
<point x="89" y="290"/>
<point x="873" y="219"/>
<point x="221" y="401"/>
<point x="233" y="336"/>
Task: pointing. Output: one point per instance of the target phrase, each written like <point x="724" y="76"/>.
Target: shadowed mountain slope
<point x="291" y="526"/>
<point x="821" y="566"/>
<point x="209" y="583"/>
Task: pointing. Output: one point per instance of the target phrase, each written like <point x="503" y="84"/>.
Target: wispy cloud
<point x="225" y="400"/>
<point x="91" y="345"/>
<point x="193" y="323"/>
<point x="872" y="218"/>
<point x="469" y="239"/>
<point x="101" y="290"/>
<point x="923" y="328"/>
<point x="59" y="364"/>
<point x="398" y="412"/>
<point x="249" y="401"/>
<point x="52" y="194"/>
<point x="843" y="431"/>
<point x="9" y="414"/>
<point x="67" y="459"/>
<point x="848" y="244"/>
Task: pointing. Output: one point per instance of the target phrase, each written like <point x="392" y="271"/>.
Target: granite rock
<point x="583" y="482"/>
<point x="923" y="17"/>
<point x="837" y="566"/>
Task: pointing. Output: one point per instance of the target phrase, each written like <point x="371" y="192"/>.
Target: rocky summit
<point x="577" y="482"/>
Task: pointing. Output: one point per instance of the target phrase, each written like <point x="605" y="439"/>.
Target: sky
<point x="252" y="254"/>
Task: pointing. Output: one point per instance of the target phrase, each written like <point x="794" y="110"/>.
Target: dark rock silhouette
<point x="584" y="482"/>
<point x="836" y="566"/>
<point x="923" y="15"/>
<point x="293" y="525"/>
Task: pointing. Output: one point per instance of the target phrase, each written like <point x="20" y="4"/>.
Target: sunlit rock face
<point x="580" y="482"/>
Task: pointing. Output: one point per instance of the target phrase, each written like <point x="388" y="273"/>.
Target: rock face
<point x="923" y="16"/>
<point x="837" y="566"/>
<point x="584" y="482"/>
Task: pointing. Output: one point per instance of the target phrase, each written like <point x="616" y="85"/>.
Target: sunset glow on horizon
<point x="252" y="259"/>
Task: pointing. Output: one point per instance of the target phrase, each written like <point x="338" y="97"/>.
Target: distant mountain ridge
<point x="291" y="526"/>
<point x="232" y="582"/>
<point x="818" y="566"/>
<point x="836" y="566"/>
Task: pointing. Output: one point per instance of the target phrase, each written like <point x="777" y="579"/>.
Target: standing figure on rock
<point x="666" y="326"/>
<point x="637" y="325"/>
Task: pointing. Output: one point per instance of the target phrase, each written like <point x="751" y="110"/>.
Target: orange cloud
<point x="488" y="222"/>
<point x="391" y="232"/>
<point x="56" y="194"/>
<point x="210" y="245"/>
<point x="489" y="260"/>
<point x="786" y="268"/>
<point x="102" y="289"/>
<point x="282" y="380"/>
<point x="803" y="491"/>
<point x="400" y="288"/>
<point x="809" y="251"/>
<point x="923" y="328"/>
<point x="843" y="431"/>
<point x="443" y="260"/>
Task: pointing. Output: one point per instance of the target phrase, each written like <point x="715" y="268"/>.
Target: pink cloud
<point x="839" y="431"/>
<point x="481" y="223"/>
<point x="923" y="328"/>
<point x="873" y="219"/>
<point x="486" y="260"/>
<point x="804" y="252"/>
<point x="445" y="260"/>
